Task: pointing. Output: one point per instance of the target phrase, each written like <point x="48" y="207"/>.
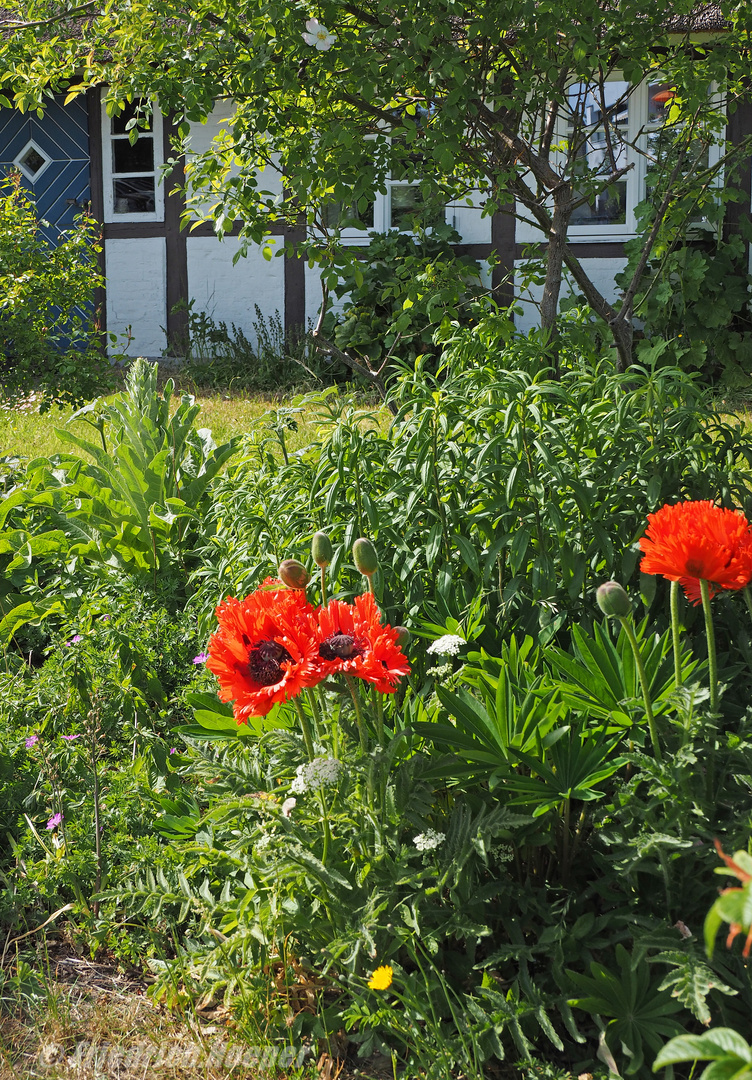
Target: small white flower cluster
<point x="448" y="645"/>
<point x="318" y="773"/>
<point x="429" y="840"/>
<point x="263" y="842"/>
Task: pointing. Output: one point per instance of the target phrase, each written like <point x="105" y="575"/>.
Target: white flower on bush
<point x="448" y="645"/>
<point x="429" y="840"/>
<point x="321" y="772"/>
<point x="318" y="35"/>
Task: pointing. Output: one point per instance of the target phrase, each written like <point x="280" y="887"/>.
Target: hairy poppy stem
<point x="629" y="631"/>
<point x="712" y="664"/>
<point x="323" y="586"/>
<point x="712" y="676"/>
<point x="675" y="632"/>
<point x="358" y="713"/>
<point x="306" y="729"/>
<point x="315" y="712"/>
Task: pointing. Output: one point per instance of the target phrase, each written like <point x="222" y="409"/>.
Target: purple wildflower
<point x="31" y="741"/>
<point x="201" y="658"/>
<point x="54" y="821"/>
<point x="173" y="750"/>
<point x="70" y="737"/>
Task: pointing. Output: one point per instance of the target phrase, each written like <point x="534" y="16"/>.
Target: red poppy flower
<point x="265" y="650"/>
<point x="693" y="541"/>
<point x="353" y="640"/>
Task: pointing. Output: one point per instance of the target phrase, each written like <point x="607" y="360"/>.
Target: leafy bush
<point x="398" y="295"/>
<point x="494" y="479"/>
<point x="47" y="337"/>
<point x="694" y="304"/>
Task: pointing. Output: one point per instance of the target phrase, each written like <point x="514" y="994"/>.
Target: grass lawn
<point x="24" y="433"/>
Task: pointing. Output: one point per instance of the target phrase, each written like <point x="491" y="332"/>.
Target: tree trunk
<point x="557" y="240"/>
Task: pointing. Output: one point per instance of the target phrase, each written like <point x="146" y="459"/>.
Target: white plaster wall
<point x="600" y="271"/>
<point x="229" y="293"/>
<point x="469" y="221"/>
<point x="136" y="272"/>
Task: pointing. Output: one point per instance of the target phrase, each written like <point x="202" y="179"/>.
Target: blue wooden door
<point x="52" y="154"/>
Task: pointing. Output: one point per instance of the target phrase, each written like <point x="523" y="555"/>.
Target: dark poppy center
<point x="694" y="568"/>
<point x="265" y="661"/>
<point x="340" y="647"/>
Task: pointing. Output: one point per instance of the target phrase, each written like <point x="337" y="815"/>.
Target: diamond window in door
<point x="32" y="161"/>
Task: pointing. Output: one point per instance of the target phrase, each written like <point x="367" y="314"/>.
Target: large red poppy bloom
<point x="353" y="641"/>
<point x="693" y="541"/>
<point x="265" y="650"/>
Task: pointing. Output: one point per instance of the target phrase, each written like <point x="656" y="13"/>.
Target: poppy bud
<point x="366" y="559"/>
<point x="404" y="637"/>
<point x="613" y="600"/>
<point x="294" y="574"/>
<point x="321" y="549"/>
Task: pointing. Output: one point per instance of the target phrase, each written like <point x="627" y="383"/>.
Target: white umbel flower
<point x="321" y="772"/>
<point x="429" y="840"/>
<point x="318" y="36"/>
<point x="448" y="645"/>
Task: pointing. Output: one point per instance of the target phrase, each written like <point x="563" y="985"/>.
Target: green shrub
<point x="398" y="294"/>
<point x="48" y="340"/>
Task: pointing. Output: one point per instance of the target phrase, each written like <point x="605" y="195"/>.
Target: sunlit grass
<point x="27" y="434"/>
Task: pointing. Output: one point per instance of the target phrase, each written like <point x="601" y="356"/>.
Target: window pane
<point x="608" y="208"/>
<point x="598" y="126"/>
<point x="335" y="213"/>
<point x="660" y="96"/>
<point x="129" y="112"/>
<point x="136" y="158"/>
<point x="408" y="208"/>
<point x="134" y="196"/>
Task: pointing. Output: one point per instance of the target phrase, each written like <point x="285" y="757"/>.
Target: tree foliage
<point x="457" y="97"/>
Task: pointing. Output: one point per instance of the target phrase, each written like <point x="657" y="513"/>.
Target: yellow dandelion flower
<point x="381" y="978"/>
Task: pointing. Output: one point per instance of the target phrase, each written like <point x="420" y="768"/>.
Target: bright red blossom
<point x="353" y="640"/>
<point x="693" y="541"/>
<point x="265" y="650"/>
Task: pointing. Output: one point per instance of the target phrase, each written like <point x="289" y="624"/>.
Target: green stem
<point x="315" y="713"/>
<point x="327" y="833"/>
<point x="306" y="729"/>
<point x="748" y="598"/>
<point x="712" y="663"/>
<point x="323" y="586"/>
<point x="629" y="630"/>
<point x="675" y="632"/>
<point x="713" y="678"/>
<point x="358" y="713"/>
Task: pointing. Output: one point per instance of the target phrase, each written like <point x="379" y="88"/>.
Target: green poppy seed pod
<point x="366" y="559"/>
<point x="613" y="600"/>
<point x="404" y="637"/>
<point x="321" y="549"/>
<point x="294" y="574"/>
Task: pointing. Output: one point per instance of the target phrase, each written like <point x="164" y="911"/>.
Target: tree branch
<point x="61" y="17"/>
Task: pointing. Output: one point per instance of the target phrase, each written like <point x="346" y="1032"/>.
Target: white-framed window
<point x="397" y="208"/>
<point x="634" y="135"/>
<point x="130" y="171"/>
